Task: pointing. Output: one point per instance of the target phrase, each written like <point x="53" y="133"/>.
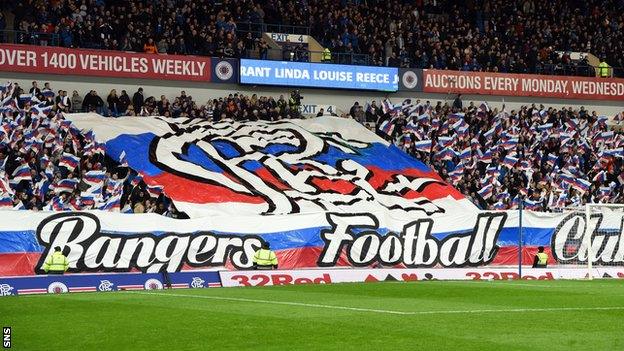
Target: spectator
<point x="353" y="109"/>
<point x="150" y="47"/>
<point x="163" y="46"/>
<point x="139" y="207"/>
<point x="263" y="49"/>
<point x="100" y="108"/>
<point x="63" y="103"/>
<point x="287" y="51"/>
<point x="138" y="100"/>
<point x="249" y="45"/>
<point x="124" y="102"/>
<point x="88" y="103"/>
<point x="394" y="61"/>
<point x="94" y="103"/>
<point x="359" y="115"/>
<point x="59" y="97"/>
<point x="163" y="105"/>
<point x="76" y="101"/>
<point x="457" y="103"/>
<point x="372" y="112"/>
<point x="34" y="90"/>
<point x="229" y="51"/>
<point x="113" y="103"/>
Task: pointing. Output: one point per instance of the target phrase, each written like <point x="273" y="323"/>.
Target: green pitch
<point x="497" y="315"/>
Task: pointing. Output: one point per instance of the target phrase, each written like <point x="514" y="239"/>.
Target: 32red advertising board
<point x="364" y="275"/>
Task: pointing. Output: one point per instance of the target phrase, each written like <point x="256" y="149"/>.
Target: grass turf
<point x="302" y="317"/>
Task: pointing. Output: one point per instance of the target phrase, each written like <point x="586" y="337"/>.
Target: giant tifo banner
<point x="324" y="193"/>
<point x="565" y="87"/>
<point x="115" y="64"/>
<point x="149" y="243"/>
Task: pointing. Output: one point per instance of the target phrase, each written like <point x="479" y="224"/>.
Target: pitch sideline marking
<point x="300" y="304"/>
<point x="358" y="309"/>
<point x="502" y="282"/>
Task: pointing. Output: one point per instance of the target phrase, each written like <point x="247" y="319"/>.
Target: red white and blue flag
<point x="22" y="173"/>
<point x="113" y="204"/>
<point x="65" y="185"/>
<point x="69" y="161"/>
<point x="154" y="191"/>
<point x="423" y="145"/>
<point x="6" y="202"/>
<point x="486" y="192"/>
<point x="510" y="161"/>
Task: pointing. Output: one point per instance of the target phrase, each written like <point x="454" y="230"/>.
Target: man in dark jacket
<point x="354" y="109"/>
<point x="457" y="103"/>
<point x="124" y="102"/>
<point x="99" y="104"/>
<point x="92" y="102"/>
<point x="34" y="90"/>
<point x="138" y="101"/>
<point x="88" y="102"/>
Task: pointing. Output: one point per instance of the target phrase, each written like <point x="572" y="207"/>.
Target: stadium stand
<point x="472" y="36"/>
<point x="48" y="164"/>
<point x="552" y="158"/>
<point x="475" y="36"/>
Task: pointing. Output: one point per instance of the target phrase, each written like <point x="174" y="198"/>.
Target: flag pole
<point x="520" y="229"/>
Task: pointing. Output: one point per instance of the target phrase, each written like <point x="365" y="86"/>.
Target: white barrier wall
<point x="342" y="99"/>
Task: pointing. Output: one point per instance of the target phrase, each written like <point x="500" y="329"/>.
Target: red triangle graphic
<point x="371" y="278"/>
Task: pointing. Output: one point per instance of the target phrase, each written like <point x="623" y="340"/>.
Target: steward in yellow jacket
<point x="56" y="263"/>
<point x="265" y="258"/>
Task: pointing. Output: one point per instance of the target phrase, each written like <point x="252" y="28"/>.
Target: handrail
<point x="258" y="28"/>
<point x="299" y="53"/>
<point x="30" y="38"/>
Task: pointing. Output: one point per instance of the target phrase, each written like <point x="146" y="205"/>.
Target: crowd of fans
<point x="235" y="106"/>
<point x="199" y="27"/>
<point x="491" y="35"/>
<point x="48" y="164"/>
<point x="545" y="157"/>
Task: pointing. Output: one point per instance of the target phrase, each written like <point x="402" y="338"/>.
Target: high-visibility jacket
<point x="326" y="55"/>
<point x="57" y="262"/>
<point x="150" y="49"/>
<point x="292" y="103"/>
<point x="603" y="69"/>
<point x="265" y="258"/>
<point x="542" y="258"/>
